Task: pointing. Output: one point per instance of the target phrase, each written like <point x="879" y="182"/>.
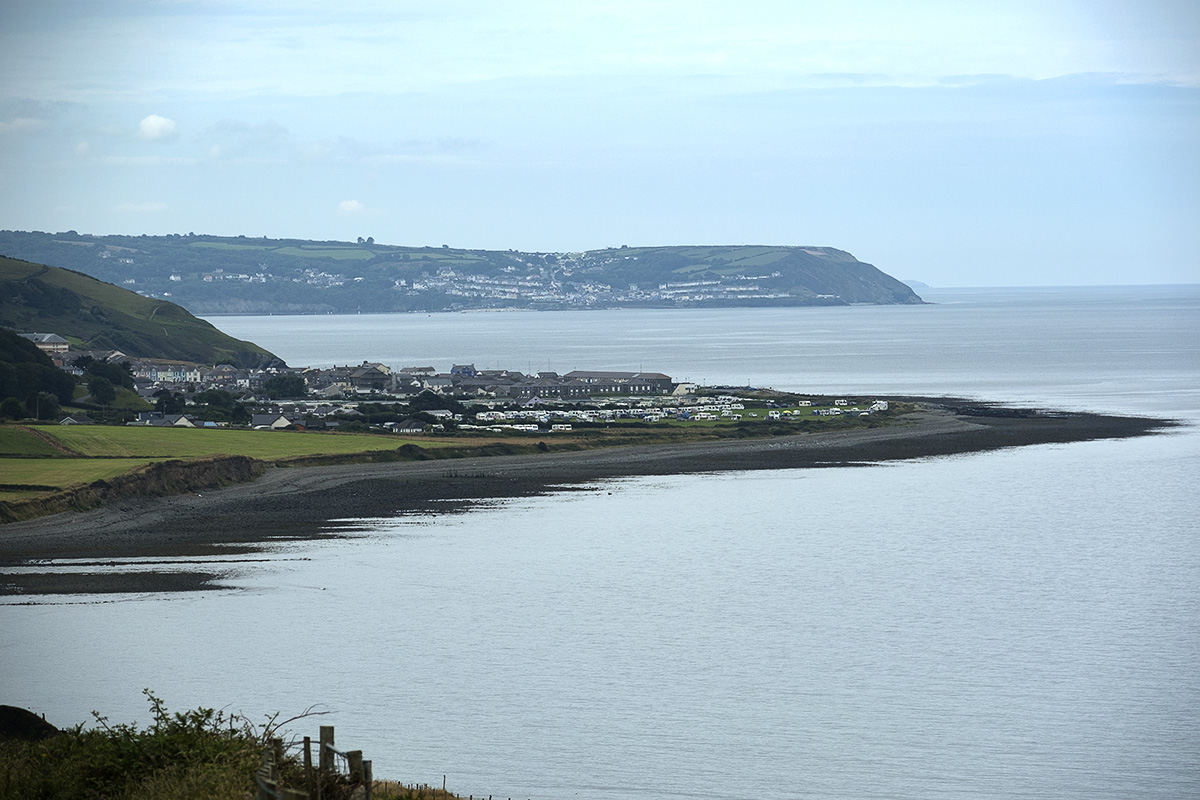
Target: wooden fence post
<point x="368" y="778"/>
<point x="309" y="783"/>
<point x="326" y="756"/>
<point x="356" y="765"/>
<point x="265" y="775"/>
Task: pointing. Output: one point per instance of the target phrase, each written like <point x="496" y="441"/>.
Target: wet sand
<point x="304" y="503"/>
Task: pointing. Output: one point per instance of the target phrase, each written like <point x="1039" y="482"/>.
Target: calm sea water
<point x="1016" y="624"/>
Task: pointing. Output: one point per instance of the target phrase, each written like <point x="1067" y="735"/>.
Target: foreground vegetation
<point x="202" y="754"/>
<point x="197" y="754"/>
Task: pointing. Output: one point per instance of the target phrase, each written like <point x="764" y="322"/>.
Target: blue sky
<point x="958" y="143"/>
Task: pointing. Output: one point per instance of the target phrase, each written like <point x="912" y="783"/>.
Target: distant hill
<point x="35" y="298"/>
<point x="232" y="275"/>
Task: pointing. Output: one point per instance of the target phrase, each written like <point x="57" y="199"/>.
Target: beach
<point x="234" y="523"/>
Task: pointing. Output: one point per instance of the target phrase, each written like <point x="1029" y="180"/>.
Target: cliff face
<point x="854" y="281"/>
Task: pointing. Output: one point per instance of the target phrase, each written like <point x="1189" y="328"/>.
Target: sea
<point x="1020" y="623"/>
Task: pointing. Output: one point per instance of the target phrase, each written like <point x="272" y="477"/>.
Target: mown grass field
<point x="110" y="441"/>
<point x="107" y="451"/>
<point x="59" y="472"/>
<point x="338" y="253"/>
<point x="21" y="442"/>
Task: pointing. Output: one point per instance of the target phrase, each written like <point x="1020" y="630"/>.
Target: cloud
<point x="154" y="128"/>
<point x="148" y="161"/>
<point x="351" y="207"/>
<point x="22" y="124"/>
<point x="236" y="139"/>
<point x="140" y="208"/>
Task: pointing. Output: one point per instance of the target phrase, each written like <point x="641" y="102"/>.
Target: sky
<point x="981" y="143"/>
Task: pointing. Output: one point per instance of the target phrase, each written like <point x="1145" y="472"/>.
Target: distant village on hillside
<point x="239" y="275"/>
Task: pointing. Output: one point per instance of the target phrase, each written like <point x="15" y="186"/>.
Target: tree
<point x="214" y="397"/>
<point x="101" y="390"/>
<point x="240" y="415"/>
<point x="117" y="374"/>
<point x="42" y="405"/>
<point x="25" y="369"/>
<point x="166" y="402"/>
<point x="12" y="408"/>
<point x="278" y="386"/>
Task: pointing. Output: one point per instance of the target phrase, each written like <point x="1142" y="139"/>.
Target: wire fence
<point x="337" y="772"/>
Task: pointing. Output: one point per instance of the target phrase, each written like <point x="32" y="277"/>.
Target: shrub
<point x="12" y="408"/>
<point x="197" y="754"/>
<point x="42" y="405"/>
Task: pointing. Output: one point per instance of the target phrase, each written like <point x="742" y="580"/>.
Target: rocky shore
<point x="235" y="522"/>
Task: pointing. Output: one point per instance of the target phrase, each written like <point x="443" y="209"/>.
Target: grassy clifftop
<point x="96" y="315"/>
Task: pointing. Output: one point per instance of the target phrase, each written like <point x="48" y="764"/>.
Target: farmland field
<point x="21" y="442"/>
<point x="339" y="253"/>
<point x="104" y="441"/>
<point x="61" y="472"/>
<point x="105" y="452"/>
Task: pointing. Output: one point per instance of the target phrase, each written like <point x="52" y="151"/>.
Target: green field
<point x="60" y="472"/>
<point x="157" y="443"/>
<point x="339" y="253"/>
<point x="231" y="246"/>
<point x="22" y="442"/>
<point x="106" y="452"/>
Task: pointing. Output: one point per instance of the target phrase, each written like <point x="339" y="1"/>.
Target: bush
<point x="278" y="386"/>
<point x="12" y="408"/>
<point x="102" y="390"/>
<point x="197" y="754"/>
<point x="42" y="405"/>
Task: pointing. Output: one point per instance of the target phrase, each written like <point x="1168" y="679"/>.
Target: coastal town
<point x="528" y="284"/>
<point x="413" y="399"/>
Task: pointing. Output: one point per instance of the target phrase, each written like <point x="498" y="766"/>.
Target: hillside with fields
<point x="232" y="275"/>
<point x="93" y="315"/>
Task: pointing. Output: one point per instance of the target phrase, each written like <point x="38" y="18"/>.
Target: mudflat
<point x="235" y="522"/>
